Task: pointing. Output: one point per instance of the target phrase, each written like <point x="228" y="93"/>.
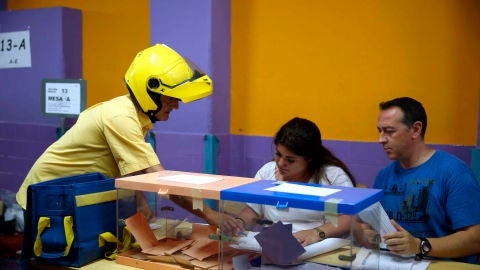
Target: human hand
<point x="228" y="224"/>
<point x="401" y="242"/>
<point x="232" y="226"/>
<point x="147" y="212"/>
<point x="307" y="237"/>
<point x="365" y="235"/>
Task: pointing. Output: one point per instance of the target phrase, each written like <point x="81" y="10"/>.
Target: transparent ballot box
<point x="163" y="222"/>
<point x="280" y="216"/>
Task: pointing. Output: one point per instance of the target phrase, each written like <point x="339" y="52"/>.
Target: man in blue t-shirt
<point x="429" y="194"/>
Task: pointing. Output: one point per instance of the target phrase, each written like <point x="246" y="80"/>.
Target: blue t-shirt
<point x="433" y="199"/>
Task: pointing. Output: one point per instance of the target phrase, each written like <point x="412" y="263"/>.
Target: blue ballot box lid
<point x="339" y="199"/>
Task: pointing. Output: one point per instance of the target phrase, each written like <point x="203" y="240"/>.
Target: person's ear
<point x="417" y="128"/>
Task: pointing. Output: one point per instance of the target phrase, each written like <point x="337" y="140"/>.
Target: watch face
<point x="426" y="247"/>
<point x="321" y="234"/>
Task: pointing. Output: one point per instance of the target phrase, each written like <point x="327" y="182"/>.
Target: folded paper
<point x="279" y="246"/>
<point x="140" y="229"/>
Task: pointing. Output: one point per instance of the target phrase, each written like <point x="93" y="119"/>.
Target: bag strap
<point x="43" y="223"/>
<point x="102" y="197"/>
<point x="121" y="247"/>
<point x="69" y="234"/>
<point x="95" y="198"/>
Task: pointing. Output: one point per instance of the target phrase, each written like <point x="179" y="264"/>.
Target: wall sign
<point x="15" y="49"/>
<point x="63" y="97"/>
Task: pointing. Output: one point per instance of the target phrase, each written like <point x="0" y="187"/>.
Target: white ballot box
<point x="280" y="215"/>
<point x="162" y="222"/>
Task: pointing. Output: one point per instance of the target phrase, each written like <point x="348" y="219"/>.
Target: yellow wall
<point x="333" y="61"/>
<point x="113" y="32"/>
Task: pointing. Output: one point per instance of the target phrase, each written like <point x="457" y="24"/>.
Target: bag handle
<point x="43" y="223"/>
<point x="121" y="246"/>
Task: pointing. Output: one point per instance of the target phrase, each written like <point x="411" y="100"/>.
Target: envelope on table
<point x="278" y="245"/>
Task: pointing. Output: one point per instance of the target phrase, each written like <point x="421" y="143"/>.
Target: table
<point x="330" y="258"/>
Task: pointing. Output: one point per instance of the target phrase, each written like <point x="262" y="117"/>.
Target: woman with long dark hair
<point x="301" y="157"/>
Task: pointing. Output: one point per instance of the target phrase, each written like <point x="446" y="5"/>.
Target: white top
<point x="301" y="219"/>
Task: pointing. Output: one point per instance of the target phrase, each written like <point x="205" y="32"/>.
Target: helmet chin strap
<point x="156" y="99"/>
<point x="151" y="115"/>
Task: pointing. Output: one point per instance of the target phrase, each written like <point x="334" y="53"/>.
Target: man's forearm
<point x="187" y="204"/>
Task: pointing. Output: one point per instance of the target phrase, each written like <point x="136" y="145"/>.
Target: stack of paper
<point x="373" y="259"/>
<point x="376" y="216"/>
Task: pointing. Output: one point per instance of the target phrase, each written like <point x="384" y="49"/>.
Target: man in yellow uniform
<point x="109" y="137"/>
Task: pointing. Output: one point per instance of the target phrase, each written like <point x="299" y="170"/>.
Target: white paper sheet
<point x="372" y="259"/>
<point x="303" y="189"/>
<point x="324" y="246"/>
<point x="191" y="179"/>
<point x="247" y="242"/>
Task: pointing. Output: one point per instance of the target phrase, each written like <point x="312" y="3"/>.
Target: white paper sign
<point x="15" y="51"/>
<point x="63" y="98"/>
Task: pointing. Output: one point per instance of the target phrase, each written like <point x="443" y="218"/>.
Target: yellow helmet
<point x="159" y="70"/>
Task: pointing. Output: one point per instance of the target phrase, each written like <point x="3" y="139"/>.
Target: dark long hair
<point x="303" y="138"/>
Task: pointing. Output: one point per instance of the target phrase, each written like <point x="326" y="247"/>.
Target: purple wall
<point x="180" y="151"/>
<point x="199" y="30"/>
<point x="181" y="27"/>
<point x="56" y="46"/>
<point x="248" y="153"/>
<point x="221" y="43"/>
<point x="20" y="145"/>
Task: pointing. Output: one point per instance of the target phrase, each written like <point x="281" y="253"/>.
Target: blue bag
<point x="69" y="215"/>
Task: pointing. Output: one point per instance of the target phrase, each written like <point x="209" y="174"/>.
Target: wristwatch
<point x="321" y="234"/>
<point x="425" y="248"/>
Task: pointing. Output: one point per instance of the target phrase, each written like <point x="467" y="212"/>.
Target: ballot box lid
<point x="195" y="185"/>
<point x="339" y="199"/>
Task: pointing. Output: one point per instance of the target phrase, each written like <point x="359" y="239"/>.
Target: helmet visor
<point x="196" y="87"/>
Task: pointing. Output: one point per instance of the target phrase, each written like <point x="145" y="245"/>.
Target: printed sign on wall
<point x="15" y="49"/>
<point x="63" y="97"/>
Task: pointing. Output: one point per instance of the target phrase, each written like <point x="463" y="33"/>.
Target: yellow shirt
<point x="108" y="137"/>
